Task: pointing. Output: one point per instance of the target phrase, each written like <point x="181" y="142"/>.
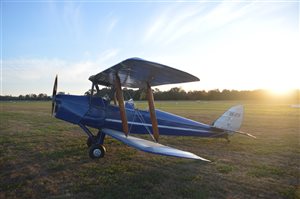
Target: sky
<point x="241" y="45"/>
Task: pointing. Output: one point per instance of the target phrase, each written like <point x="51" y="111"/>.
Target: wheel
<point x="90" y="141"/>
<point x="97" y="151"/>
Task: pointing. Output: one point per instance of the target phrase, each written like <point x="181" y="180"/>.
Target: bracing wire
<point x="140" y="117"/>
<point x="144" y="122"/>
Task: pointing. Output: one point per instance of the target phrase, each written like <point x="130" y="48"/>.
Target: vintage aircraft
<point x="121" y="119"/>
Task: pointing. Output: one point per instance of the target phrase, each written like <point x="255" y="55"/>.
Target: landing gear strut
<point x="95" y="143"/>
<point x="90" y="141"/>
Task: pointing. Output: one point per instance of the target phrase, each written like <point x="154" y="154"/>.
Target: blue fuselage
<point x="97" y="113"/>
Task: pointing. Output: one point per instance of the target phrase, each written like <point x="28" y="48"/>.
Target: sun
<point x="280" y="84"/>
<point x="280" y="91"/>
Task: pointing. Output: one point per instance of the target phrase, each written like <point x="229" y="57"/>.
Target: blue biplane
<point x="121" y="119"/>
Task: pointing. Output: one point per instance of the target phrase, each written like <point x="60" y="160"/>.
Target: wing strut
<point x="120" y="98"/>
<point x="115" y="98"/>
<point x="152" y="112"/>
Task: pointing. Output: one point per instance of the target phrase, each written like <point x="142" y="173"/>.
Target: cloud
<point x="24" y="75"/>
<point x="182" y="20"/>
<point x="107" y="55"/>
<point x="111" y="25"/>
<point x="72" y="18"/>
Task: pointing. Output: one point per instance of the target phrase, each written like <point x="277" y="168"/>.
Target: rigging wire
<point x="144" y="122"/>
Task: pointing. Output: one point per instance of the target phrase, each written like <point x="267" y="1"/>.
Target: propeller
<point x="54" y="95"/>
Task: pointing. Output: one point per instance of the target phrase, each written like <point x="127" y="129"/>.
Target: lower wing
<point x="151" y="147"/>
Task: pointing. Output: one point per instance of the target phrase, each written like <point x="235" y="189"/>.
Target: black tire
<point x="90" y="141"/>
<point x="97" y="151"/>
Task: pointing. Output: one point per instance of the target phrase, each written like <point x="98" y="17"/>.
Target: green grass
<point x="43" y="157"/>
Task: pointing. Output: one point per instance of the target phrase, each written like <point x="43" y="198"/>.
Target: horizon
<point x="264" y="92"/>
<point x="244" y="45"/>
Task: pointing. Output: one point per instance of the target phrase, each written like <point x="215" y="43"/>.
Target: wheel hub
<point x="97" y="152"/>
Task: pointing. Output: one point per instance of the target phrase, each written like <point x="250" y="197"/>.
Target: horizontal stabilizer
<point x="247" y="134"/>
<point x="150" y="147"/>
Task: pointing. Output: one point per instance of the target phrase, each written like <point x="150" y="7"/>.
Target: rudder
<point x="231" y="120"/>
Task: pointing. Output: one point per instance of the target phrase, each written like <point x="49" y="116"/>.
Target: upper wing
<point x="137" y="73"/>
<point x="151" y="147"/>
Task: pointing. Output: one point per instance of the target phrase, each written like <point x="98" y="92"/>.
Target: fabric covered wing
<point x="150" y="147"/>
<point x="136" y="73"/>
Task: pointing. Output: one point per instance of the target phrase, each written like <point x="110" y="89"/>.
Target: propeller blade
<point x="54" y="94"/>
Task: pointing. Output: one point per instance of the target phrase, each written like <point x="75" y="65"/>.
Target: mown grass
<point x="42" y="157"/>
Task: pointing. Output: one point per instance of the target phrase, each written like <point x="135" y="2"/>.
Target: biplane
<point x="120" y="119"/>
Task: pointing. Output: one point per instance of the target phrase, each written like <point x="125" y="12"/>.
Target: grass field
<point x="43" y="157"/>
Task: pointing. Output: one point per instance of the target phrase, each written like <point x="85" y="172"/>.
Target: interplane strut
<point x="152" y="112"/>
<point x="120" y="98"/>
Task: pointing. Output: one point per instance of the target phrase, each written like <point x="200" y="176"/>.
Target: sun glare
<point x="281" y="83"/>
<point x="280" y="91"/>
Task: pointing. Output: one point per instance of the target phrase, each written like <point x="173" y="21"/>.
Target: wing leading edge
<point x="137" y="73"/>
<point x="151" y="147"/>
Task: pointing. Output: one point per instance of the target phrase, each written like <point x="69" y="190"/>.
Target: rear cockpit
<point x="129" y="104"/>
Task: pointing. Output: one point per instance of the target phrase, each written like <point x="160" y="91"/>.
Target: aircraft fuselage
<point x="96" y="112"/>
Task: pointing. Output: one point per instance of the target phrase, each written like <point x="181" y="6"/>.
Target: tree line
<point x="175" y="93"/>
<point x="178" y="93"/>
<point x="27" y="97"/>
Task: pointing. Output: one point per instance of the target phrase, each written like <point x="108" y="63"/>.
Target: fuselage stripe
<point x="146" y="124"/>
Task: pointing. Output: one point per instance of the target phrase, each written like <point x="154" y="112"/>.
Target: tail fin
<point x="231" y="120"/>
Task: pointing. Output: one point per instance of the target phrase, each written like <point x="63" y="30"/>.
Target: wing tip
<point x="203" y="159"/>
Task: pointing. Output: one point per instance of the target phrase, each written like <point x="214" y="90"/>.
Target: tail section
<point x="231" y="120"/>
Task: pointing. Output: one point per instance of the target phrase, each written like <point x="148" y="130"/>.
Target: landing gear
<point x="90" y="141"/>
<point x="227" y="138"/>
<point x="95" y="143"/>
<point x="97" y="151"/>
